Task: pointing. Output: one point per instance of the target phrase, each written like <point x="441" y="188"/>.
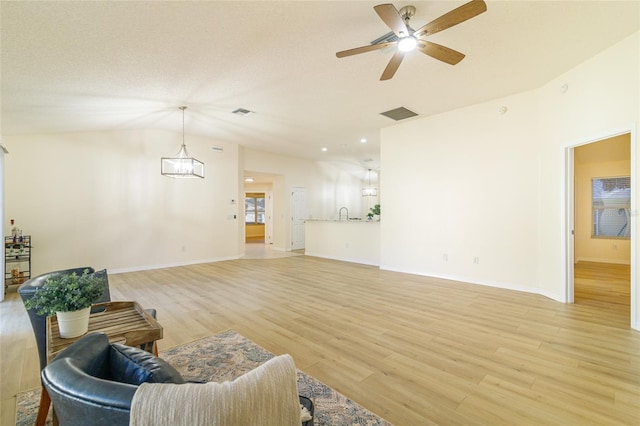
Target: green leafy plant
<point x="375" y="210"/>
<point x="66" y="293"/>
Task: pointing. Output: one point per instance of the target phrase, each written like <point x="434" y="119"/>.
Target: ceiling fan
<point x="406" y="39"/>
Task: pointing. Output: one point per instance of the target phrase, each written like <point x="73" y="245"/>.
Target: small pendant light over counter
<point x="369" y="191"/>
<point x="182" y="166"/>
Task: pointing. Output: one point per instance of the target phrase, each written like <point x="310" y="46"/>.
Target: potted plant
<point x="69" y="297"/>
<point x="374" y="212"/>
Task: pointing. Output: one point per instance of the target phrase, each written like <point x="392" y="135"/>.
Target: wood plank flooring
<point x="415" y="350"/>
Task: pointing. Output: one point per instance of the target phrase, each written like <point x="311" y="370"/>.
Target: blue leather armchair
<point x="93" y="381"/>
<point x="39" y="322"/>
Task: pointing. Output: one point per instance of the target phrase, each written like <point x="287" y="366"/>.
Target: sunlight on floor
<point x="260" y="250"/>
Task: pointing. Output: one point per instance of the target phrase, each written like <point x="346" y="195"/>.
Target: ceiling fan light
<point x="407" y="44"/>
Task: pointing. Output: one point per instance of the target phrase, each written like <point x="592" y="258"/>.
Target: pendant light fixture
<point x="369" y="191"/>
<point x="182" y="166"/>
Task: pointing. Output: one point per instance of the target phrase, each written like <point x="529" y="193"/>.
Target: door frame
<point x="3" y="151"/>
<point x="569" y="212"/>
<point x="570" y="224"/>
<point x="268" y="222"/>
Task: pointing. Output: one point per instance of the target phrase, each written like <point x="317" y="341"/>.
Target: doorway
<point x="600" y="243"/>
<point x="254" y="217"/>
<point x="258" y="214"/>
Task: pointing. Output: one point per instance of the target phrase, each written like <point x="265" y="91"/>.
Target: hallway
<point x="259" y="250"/>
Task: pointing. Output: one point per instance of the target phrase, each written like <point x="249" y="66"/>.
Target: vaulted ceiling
<point x="102" y="65"/>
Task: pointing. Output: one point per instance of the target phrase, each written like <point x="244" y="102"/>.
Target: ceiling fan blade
<point x="364" y="49"/>
<point x="456" y="16"/>
<point x="440" y="52"/>
<point x="392" y="66"/>
<point x="390" y="15"/>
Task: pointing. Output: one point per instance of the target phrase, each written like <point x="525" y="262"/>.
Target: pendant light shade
<point x="182" y="166"/>
<point x="369" y="191"/>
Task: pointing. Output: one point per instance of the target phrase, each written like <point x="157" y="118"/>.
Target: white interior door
<point x="298" y="215"/>
<point x="570" y="224"/>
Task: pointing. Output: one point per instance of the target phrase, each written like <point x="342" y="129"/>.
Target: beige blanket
<point x="267" y="396"/>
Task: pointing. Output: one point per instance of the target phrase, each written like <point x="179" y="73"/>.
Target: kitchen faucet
<point x="340" y="213"/>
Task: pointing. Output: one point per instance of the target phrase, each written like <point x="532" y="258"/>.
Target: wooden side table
<point x="122" y="322"/>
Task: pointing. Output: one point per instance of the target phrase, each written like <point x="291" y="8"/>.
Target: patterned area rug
<point x="226" y="356"/>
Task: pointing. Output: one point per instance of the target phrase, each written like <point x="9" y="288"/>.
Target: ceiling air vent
<point x="390" y="36"/>
<point x="241" y="111"/>
<point x="399" y="113"/>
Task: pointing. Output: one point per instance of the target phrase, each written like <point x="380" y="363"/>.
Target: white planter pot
<point x="74" y="323"/>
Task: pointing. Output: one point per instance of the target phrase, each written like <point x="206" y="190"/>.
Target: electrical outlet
<point x="476" y="260"/>
<point x="445" y="257"/>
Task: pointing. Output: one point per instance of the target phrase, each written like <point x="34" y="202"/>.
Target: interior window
<point x="254" y="208"/>
<point x="611" y="207"/>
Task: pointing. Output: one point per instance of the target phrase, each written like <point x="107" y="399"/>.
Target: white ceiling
<point x="98" y="65"/>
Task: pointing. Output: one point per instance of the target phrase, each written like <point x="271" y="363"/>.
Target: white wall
<point x="98" y="199"/>
<point x="237" y="209"/>
<point x="257" y="187"/>
<point x="474" y="183"/>
<point x="602" y="100"/>
<point x="461" y="192"/>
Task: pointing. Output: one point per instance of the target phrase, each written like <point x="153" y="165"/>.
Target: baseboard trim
<point x="599" y="260"/>
<point x="465" y="280"/>
<point x="170" y="265"/>
<point x="343" y="259"/>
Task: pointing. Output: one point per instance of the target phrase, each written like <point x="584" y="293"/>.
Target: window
<point x="254" y="208"/>
<point x="611" y="207"/>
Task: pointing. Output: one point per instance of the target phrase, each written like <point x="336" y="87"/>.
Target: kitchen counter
<point x="351" y="241"/>
<point x="343" y="220"/>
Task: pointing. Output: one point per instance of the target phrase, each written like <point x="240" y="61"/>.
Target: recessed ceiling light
<point x="324" y="149"/>
<point x="248" y="179"/>
<point x="363" y="140"/>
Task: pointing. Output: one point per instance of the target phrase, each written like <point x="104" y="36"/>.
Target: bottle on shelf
<point x="16" y="233"/>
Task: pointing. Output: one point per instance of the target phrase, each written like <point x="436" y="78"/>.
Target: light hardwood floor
<point x="415" y="350"/>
